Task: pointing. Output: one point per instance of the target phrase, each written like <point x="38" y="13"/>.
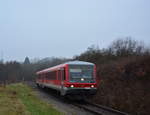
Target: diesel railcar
<point x="70" y="78"/>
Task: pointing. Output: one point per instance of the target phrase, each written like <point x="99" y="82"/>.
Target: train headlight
<point x="82" y="79"/>
<point x="92" y="86"/>
<point x="71" y="86"/>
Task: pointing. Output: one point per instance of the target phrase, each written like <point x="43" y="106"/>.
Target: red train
<point x="70" y="78"/>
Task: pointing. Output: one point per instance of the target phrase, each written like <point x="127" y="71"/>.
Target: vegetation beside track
<point x="19" y="99"/>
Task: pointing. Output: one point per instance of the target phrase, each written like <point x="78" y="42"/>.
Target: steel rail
<point x="99" y="109"/>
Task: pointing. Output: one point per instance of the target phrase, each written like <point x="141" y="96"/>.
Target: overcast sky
<point x="64" y="28"/>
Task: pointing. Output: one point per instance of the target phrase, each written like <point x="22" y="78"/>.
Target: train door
<point x="59" y="78"/>
<point x="62" y="81"/>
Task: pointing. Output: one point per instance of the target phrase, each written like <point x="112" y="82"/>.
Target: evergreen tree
<point x="26" y="61"/>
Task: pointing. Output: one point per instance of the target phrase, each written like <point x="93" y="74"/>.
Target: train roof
<point x="62" y="65"/>
<point x="78" y="63"/>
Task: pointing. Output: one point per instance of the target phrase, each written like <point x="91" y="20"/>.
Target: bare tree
<point x="126" y="47"/>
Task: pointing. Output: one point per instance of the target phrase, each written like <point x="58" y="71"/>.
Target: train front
<point x="81" y="79"/>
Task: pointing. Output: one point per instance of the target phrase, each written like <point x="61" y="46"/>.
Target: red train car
<point x="70" y="78"/>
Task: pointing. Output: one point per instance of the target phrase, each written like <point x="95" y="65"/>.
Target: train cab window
<point x="78" y="72"/>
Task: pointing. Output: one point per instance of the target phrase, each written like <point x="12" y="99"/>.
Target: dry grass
<point x="10" y="104"/>
<point x="19" y="99"/>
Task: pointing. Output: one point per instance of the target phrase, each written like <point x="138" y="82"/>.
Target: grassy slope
<point x="19" y="99"/>
<point x="10" y="104"/>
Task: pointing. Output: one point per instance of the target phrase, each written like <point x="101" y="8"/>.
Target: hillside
<point x="125" y="85"/>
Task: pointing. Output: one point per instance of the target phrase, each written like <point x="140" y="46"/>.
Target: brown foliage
<point x="125" y="85"/>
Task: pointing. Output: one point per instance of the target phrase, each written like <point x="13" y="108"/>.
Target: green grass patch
<point x="19" y="99"/>
<point x="10" y="104"/>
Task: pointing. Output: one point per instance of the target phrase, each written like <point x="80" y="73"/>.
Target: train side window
<point x="54" y="75"/>
<point x="51" y="75"/>
<point x="59" y="75"/>
<point x="63" y="75"/>
<point x="40" y="76"/>
<point x="47" y="76"/>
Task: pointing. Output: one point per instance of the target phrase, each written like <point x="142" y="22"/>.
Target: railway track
<point x="87" y="106"/>
<point x="98" y="109"/>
